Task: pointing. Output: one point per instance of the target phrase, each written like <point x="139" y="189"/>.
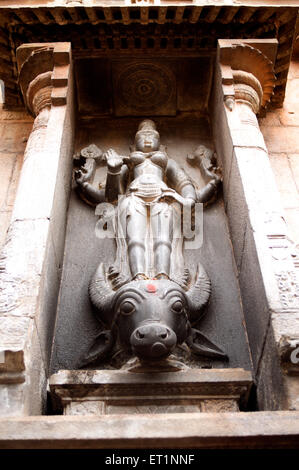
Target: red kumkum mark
<point x="151" y="288"/>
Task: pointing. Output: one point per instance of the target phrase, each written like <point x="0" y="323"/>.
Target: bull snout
<point x="153" y="341"/>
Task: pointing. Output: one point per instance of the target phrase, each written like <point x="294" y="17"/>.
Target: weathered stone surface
<point x="281" y="139"/>
<point x="7" y="162"/>
<point x="4" y="224"/>
<point x="271" y="119"/>
<point x="14" y="129"/>
<point x="218" y="406"/>
<point x="294" y="162"/>
<point x="292" y="217"/>
<point x="22" y="265"/>
<point x="197" y="430"/>
<point x="292" y="387"/>
<point x="285" y="179"/>
<point x="12" y="340"/>
<point x="289" y="114"/>
<point x="271" y="393"/>
<point x="165" y="392"/>
<point x="83" y="408"/>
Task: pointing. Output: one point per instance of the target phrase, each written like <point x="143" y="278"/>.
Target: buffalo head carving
<point x="151" y="317"/>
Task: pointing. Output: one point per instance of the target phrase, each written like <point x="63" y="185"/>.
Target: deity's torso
<point x="148" y="173"/>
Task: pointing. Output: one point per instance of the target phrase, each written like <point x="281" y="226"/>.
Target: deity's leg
<point x="162" y="233"/>
<point x="136" y="227"/>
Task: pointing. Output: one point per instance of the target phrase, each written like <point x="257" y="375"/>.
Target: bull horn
<point x="101" y="294"/>
<point x="198" y="295"/>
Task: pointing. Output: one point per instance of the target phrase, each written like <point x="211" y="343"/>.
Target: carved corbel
<point x="43" y="74"/>
<point x="247" y="73"/>
<point x="44" y="71"/>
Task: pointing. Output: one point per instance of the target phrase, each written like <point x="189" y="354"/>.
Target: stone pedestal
<point x="108" y="392"/>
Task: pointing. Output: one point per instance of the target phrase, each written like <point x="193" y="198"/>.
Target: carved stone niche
<point x="243" y="84"/>
<point x="117" y="392"/>
<point x="97" y="273"/>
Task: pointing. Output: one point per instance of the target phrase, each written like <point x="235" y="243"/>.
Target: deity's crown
<point x="147" y="125"/>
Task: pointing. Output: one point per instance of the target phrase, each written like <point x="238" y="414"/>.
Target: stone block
<point x="271" y="119"/>
<point x="119" y="391"/>
<point x="254" y="300"/>
<point x="5" y="217"/>
<point x="14" y="136"/>
<point x="49" y="291"/>
<point x="14" y="180"/>
<point x="294" y="162"/>
<point x="237" y="211"/>
<point x="289" y="114"/>
<point x="22" y="262"/>
<point x="270" y="385"/>
<point x="294" y="69"/>
<point x="292" y="387"/>
<point x="221" y="135"/>
<point x="285" y="180"/>
<point x="34" y="401"/>
<point x="258" y="183"/>
<point x="281" y="139"/>
<point x="263" y="430"/>
<point x="11" y="398"/>
<point x="292" y="217"/>
<point x="7" y="162"/>
<point x="63" y="179"/>
<point x="13" y="337"/>
<point x="21" y="393"/>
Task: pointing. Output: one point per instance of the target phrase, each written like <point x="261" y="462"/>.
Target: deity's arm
<point x="117" y="175"/>
<point x="205" y="159"/>
<point x="208" y="191"/>
<point x="87" y="192"/>
<point x="180" y="181"/>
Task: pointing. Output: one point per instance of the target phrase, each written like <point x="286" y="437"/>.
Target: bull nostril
<point x="163" y="335"/>
<point x="139" y="335"/>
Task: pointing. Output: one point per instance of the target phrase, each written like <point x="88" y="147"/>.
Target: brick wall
<point x="281" y="132"/>
<point x="15" y="128"/>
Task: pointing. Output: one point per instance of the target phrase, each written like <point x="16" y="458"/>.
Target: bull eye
<point x="178" y="306"/>
<point x="127" y="308"/>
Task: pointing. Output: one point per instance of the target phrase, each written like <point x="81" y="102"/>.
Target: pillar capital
<point x="247" y="72"/>
<point x="43" y="74"/>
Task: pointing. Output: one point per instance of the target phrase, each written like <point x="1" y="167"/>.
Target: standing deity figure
<point x="155" y="188"/>
<point x="147" y="296"/>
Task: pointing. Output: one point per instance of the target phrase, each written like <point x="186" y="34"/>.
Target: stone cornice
<point x="198" y="23"/>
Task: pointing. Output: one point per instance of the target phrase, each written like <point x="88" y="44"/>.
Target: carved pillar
<point x="266" y="264"/>
<point x="32" y="255"/>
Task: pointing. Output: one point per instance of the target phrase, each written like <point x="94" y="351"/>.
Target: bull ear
<point x="201" y="345"/>
<point x="100" y="348"/>
<point x="198" y="295"/>
<point x="101" y="294"/>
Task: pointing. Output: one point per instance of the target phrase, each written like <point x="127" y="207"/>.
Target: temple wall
<point x="15" y="128"/>
<point x="280" y="130"/>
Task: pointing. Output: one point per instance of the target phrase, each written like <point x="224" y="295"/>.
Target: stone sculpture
<point x="146" y="297"/>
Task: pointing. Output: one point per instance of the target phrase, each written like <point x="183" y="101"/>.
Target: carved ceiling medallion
<point x="144" y="89"/>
